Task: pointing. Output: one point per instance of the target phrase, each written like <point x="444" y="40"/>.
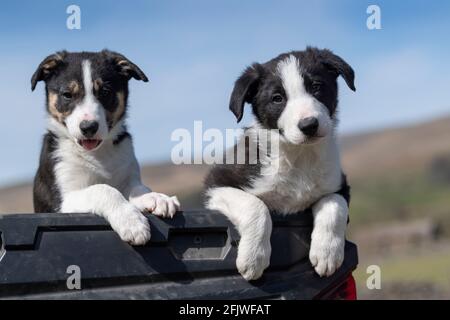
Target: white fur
<point x="108" y="202"/>
<point x="328" y="237"/>
<point x="251" y="217"/>
<point x="294" y="177"/>
<point x="89" y="109"/>
<point x="300" y="104"/>
<point x="158" y="203"/>
<point x="77" y="168"/>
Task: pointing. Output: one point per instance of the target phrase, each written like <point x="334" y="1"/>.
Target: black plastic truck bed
<point x="189" y="257"/>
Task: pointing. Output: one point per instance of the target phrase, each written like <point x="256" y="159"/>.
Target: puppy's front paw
<point x="131" y="225"/>
<point x="327" y="252"/>
<point x="159" y="204"/>
<point x="253" y="258"/>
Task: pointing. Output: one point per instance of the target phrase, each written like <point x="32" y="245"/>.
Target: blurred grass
<point x="432" y="266"/>
<point x="403" y="198"/>
<point x="192" y="200"/>
<point x="399" y="198"/>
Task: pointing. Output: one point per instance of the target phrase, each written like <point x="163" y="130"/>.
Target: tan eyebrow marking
<point x="98" y="84"/>
<point x="74" y="87"/>
<point x="114" y="116"/>
<point x="52" y="108"/>
<point x="120" y="106"/>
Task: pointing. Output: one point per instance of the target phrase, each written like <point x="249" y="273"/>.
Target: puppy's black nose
<point x="89" y="128"/>
<point x="309" y="126"/>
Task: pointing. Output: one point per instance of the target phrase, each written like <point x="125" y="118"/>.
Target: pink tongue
<point x="89" y="144"/>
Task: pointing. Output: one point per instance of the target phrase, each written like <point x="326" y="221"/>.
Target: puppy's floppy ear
<point x="47" y="68"/>
<point x="245" y="89"/>
<point x="124" y="66"/>
<point x="339" y="66"/>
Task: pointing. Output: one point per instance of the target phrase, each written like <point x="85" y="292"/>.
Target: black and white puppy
<point x="87" y="162"/>
<point x="295" y="94"/>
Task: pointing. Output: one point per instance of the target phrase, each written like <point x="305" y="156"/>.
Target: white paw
<point x="159" y="204"/>
<point x="131" y="225"/>
<point x="327" y="252"/>
<point x="253" y="258"/>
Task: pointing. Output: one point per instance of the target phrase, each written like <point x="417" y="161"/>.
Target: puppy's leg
<point x="252" y="219"/>
<point x="108" y="202"/>
<point x="328" y="236"/>
<point x="157" y="203"/>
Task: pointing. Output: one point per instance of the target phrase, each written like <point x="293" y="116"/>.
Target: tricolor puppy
<point x="295" y="94"/>
<point x="87" y="161"/>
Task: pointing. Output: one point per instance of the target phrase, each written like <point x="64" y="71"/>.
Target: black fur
<point x="234" y="175"/>
<point x="258" y="84"/>
<point x="344" y="191"/>
<point x="66" y="64"/>
<point x="46" y="196"/>
<point x="48" y="68"/>
<point x="122" y="136"/>
<point x="60" y="69"/>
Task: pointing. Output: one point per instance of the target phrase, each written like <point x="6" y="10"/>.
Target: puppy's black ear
<point x="245" y="89"/>
<point x="339" y="66"/>
<point x="47" y="68"/>
<point x="124" y="66"/>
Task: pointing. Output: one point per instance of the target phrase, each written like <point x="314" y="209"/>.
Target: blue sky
<point x="193" y="51"/>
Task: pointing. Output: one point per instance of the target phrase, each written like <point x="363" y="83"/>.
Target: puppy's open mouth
<point x="89" y="144"/>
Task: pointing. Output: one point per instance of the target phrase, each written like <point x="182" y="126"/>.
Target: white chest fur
<point x="76" y="169"/>
<point x="299" y="176"/>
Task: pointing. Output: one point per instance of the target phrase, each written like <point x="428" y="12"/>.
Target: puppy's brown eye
<point x="104" y="92"/>
<point x="316" y="86"/>
<point x="277" y="98"/>
<point x="67" y="95"/>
